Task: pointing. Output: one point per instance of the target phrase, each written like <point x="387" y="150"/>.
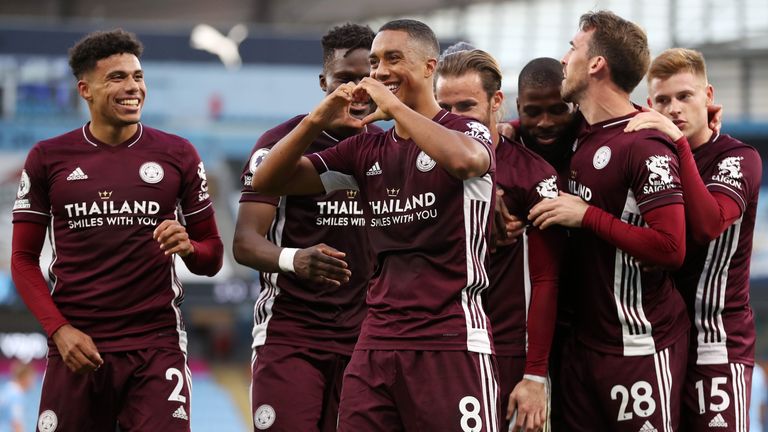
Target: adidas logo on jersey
<point x="374" y="170"/>
<point x="718" y="422"/>
<point x="648" y="427"/>
<point x="77" y="174"/>
<point x="180" y="413"/>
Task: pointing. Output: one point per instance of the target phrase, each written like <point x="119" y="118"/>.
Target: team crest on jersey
<point x="660" y="177"/>
<point x="547" y="188"/>
<point x="425" y="163"/>
<point x="151" y="172"/>
<point x="478" y="130"/>
<point x="602" y="157"/>
<point x="24" y="185"/>
<point x="47" y="422"/>
<point x="264" y="417"/>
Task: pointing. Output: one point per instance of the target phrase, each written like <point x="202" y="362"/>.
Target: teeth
<point x="129" y="102"/>
<point x="393" y="87"/>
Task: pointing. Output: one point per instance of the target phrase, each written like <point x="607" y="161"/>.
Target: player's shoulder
<point x="162" y="137"/>
<point x="274" y="134"/>
<point x="520" y="155"/>
<point x="725" y="143"/>
<point x="64" y="139"/>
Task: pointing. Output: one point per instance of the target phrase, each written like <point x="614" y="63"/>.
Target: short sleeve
<point x="337" y="165"/>
<point x="195" y="201"/>
<point x="738" y="174"/>
<point x="474" y="129"/>
<point x="32" y="202"/>
<point x="258" y="153"/>
<point x="654" y="174"/>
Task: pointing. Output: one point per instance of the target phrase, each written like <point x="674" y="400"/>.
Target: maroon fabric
<point x="707" y="213"/>
<point x="143" y="390"/>
<point x="110" y="279"/>
<point x="209" y="250"/>
<point x="714" y="279"/>
<point x="605" y="392"/>
<point x="511" y="371"/>
<point x="619" y="308"/>
<point x="391" y="391"/>
<point x="661" y="243"/>
<point x="428" y="231"/>
<point x="522" y="297"/>
<point x="296" y="389"/>
<point x="717" y="397"/>
<point x="28" y="239"/>
<point x="295" y="312"/>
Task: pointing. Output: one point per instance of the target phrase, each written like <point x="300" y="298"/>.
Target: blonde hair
<point x="677" y="60"/>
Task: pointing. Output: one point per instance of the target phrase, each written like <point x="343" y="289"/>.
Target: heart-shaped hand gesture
<point x="384" y="99"/>
<point x="334" y="111"/>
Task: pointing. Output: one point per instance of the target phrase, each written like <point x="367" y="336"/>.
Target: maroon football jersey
<point x="296" y="312"/>
<point x="526" y="179"/>
<point x="428" y="231"/>
<point x="110" y="279"/>
<point x="715" y="277"/>
<point x="621" y="309"/>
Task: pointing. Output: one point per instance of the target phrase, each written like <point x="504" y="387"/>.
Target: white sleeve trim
<point x="535" y="378"/>
<point x="197" y="211"/>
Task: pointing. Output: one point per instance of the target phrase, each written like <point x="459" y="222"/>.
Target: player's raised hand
<point x="566" y="210"/>
<point x="333" y="110"/>
<point x="323" y="264"/>
<point x="384" y="99"/>
<point x="529" y="399"/>
<point x="173" y="238"/>
<point x="715" y="117"/>
<point x="77" y="349"/>
<point x="654" y="120"/>
<point x="507" y="227"/>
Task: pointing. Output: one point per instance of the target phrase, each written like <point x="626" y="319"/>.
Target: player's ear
<point x="429" y="67"/>
<point x="323" y="83"/>
<point x="497" y="100"/>
<point x="710" y="94"/>
<point x="597" y="63"/>
<point x="649" y="101"/>
<point x="84" y="90"/>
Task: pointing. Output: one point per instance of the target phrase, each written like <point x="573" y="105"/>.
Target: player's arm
<point x="708" y="213"/>
<point x="285" y="170"/>
<point x="529" y="396"/>
<point x="457" y="153"/>
<point x="320" y="263"/>
<point x="661" y="243"/>
<point x="198" y="244"/>
<point x="76" y="348"/>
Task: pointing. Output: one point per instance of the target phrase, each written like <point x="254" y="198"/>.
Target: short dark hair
<point x="348" y="36"/>
<point x="461" y="62"/>
<point x="418" y="31"/>
<point x="623" y="44"/>
<point x="540" y="72"/>
<point x="95" y="46"/>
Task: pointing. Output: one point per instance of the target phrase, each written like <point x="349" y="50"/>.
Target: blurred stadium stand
<point x="224" y="110"/>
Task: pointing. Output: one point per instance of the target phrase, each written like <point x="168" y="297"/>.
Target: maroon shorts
<point x="716" y="397"/>
<point x="295" y="388"/>
<point x="143" y="390"/>
<point x="603" y="392"/>
<point x="419" y="391"/>
<point x="511" y="370"/>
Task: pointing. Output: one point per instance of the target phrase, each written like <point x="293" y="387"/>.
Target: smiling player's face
<point x="347" y="66"/>
<point x="115" y="90"/>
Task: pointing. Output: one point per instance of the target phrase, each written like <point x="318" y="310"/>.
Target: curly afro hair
<point x="100" y="45"/>
<point x="348" y="36"/>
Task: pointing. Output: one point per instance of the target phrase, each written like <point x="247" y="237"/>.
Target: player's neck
<point x="601" y="103"/>
<point x="700" y="138"/>
<point x="112" y="135"/>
